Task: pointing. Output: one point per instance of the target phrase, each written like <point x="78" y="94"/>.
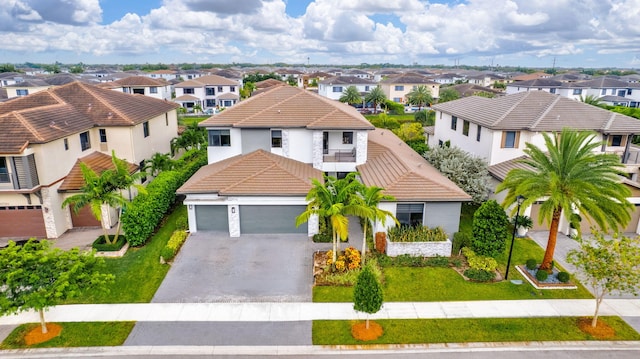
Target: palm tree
<point x="376" y="96"/>
<point x="420" y="96"/>
<point x="192" y="137"/>
<point x="371" y="198"/>
<point x="570" y="177"/>
<point x="448" y="94"/>
<point x="159" y="162"/>
<point x="334" y="199"/>
<point x="591" y="100"/>
<point x="351" y="95"/>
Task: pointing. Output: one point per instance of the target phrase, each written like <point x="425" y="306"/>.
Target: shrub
<point x="460" y="240"/>
<point x="531" y="264"/>
<point x="479" y="275"/>
<point x="479" y="262"/>
<point x="489" y="229"/>
<point x="173" y="245"/>
<point x="348" y="278"/>
<point x="167" y="254"/>
<point x="100" y="245"/>
<point x="563" y="277"/>
<point x="322" y="238"/>
<point x="350" y="259"/>
<point x="417" y="234"/>
<point x="542" y="275"/>
<point x="437" y="261"/>
<point x="522" y="221"/>
<point x="182" y="223"/>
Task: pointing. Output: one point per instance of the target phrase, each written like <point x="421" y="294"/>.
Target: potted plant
<point x="574" y="224"/>
<point x="523" y="224"/>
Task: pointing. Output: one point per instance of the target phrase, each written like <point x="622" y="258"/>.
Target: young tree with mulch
<point x="608" y="265"/>
<point x="367" y="294"/>
<point x="38" y="276"/>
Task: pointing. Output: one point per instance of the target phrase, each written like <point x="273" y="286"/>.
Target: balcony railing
<point x="342" y="155"/>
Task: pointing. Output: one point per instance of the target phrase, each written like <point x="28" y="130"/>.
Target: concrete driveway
<point x="213" y="267"/>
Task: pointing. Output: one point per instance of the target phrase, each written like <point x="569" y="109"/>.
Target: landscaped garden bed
<point x="418" y="241"/>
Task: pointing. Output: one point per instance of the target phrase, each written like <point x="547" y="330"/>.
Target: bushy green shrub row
<point x="407" y="260"/>
<point x="479" y="262"/>
<point x="460" y="240"/>
<point x="145" y="212"/>
<point x="532" y="264"/>
<point x="173" y="245"/>
<point x="479" y="275"/>
<point x="417" y="234"/>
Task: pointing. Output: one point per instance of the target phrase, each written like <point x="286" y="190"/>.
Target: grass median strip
<point x="421" y="331"/>
<point x="80" y="334"/>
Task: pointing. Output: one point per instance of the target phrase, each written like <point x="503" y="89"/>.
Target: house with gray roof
<point x="333" y="87"/>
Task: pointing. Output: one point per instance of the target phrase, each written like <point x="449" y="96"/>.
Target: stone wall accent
<point x="419" y="249"/>
<point x="48" y="213"/>
<point x="361" y="147"/>
<point x="285" y="144"/>
<point x="234" y="220"/>
<point x="318" y="155"/>
<point x="313" y="225"/>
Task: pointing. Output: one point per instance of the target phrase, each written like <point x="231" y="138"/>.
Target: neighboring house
<point x="497" y="129"/>
<point x="398" y="87"/>
<point x="486" y="79"/>
<point x="334" y="87"/>
<point x="143" y="85"/>
<point x="285" y="74"/>
<point x="448" y="78"/>
<point x="466" y="90"/>
<point x="166" y="75"/>
<point x="10" y="78"/>
<point x="539" y="84"/>
<point x="358" y="73"/>
<point x="44" y="135"/>
<point x="264" y="152"/>
<point x="210" y="92"/>
<point x="26" y="87"/>
<point x="308" y="79"/>
<point x="533" y="76"/>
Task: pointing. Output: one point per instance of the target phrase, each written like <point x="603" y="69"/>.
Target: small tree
<point x="367" y="293"/>
<point x="489" y="229"/>
<point x="376" y="96"/>
<point x="37" y="276"/>
<point x="351" y="95"/>
<point x="448" y="94"/>
<point x="608" y="265"/>
<point x="420" y="96"/>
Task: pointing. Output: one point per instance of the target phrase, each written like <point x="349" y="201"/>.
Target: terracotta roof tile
<point x="256" y="173"/>
<point x="211" y="80"/>
<point x="289" y="107"/>
<point x="98" y="162"/>
<point x="403" y="173"/>
<point x="140" y="81"/>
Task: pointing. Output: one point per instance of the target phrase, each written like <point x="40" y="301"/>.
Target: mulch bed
<point x="360" y="331"/>
<point x="36" y="336"/>
<point x="601" y="331"/>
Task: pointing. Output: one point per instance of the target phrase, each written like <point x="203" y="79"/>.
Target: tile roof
<point x="538" y="111"/>
<point x="539" y="82"/>
<point x="408" y="78"/>
<point x="256" y="173"/>
<point x="209" y="80"/>
<point x="347" y="80"/>
<point x="289" y="107"/>
<point x="60" y="111"/>
<point x="98" y="162"/>
<point x="499" y="170"/>
<point x="403" y="173"/>
<point x="140" y="81"/>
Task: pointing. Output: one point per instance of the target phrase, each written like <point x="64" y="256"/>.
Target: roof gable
<point x="98" y="162"/>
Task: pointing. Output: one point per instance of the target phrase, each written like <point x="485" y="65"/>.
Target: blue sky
<point x="573" y="33"/>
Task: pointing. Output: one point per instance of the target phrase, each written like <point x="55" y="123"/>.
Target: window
<point x="478" y="133"/>
<point x="347" y="138"/>
<point x="4" y="170"/>
<point x="22" y="92"/>
<point x="577" y="91"/>
<point x="276" y="138"/>
<point x="189" y="90"/>
<point x="410" y="214"/>
<point x="337" y="89"/>
<point x="210" y="102"/>
<point x="166" y="119"/>
<point x="210" y="91"/>
<point x="397" y="99"/>
<point x="125" y="89"/>
<point x="399" y="88"/>
<point x="138" y="91"/>
<point x="153" y="89"/>
<point x="510" y="139"/>
<point x="603" y="92"/>
<point x="454" y="123"/>
<point x="621" y="93"/>
<point x="85" y="141"/>
<point x="366" y="88"/>
<point x="143" y="179"/>
<point x="66" y="144"/>
<point x="616" y="141"/>
<point x="103" y="135"/>
<point x="232" y="88"/>
<point x="145" y="128"/>
<point x="465" y="127"/>
<point x="219" y="138"/>
<point x="219" y="88"/>
<point x="552" y="90"/>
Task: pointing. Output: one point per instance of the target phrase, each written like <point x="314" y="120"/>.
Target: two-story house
<point x="334" y="87"/>
<point x="44" y="137"/>
<point x="497" y="130"/>
<point x="26" y="87"/>
<point x="264" y="152"/>
<point x="143" y="85"/>
<point x="396" y="88"/>
<point x="209" y="92"/>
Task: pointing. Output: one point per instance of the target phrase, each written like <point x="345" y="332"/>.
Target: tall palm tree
<point x="376" y="96"/>
<point x="371" y="198"/>
<point x="351" y="95"/>
<point x="334" y="199"/>
<point x="420" y="96"/>
<point x="570" y="177"/>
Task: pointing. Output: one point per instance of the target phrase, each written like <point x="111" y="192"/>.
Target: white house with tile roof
<point x="334" y="87"/>
<point x="264" y="152"/>
<point x="397" y="87"/>
<point x="42" y="136"/>
<point x="143" y="85"/>
<point x="210" y="92"/>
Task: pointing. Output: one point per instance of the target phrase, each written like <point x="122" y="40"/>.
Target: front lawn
<point x="139" y="273"/>
<point x="426" y="284"/>
<point x="418" y="331"/>
<point x="82" y="334"/>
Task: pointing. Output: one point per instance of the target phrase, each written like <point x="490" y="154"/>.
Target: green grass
<point x="84" y="334"/>
<point x="139" y="272"/>
<point x="188" y="120"/>
<point x="426" y="284"/>
<point x="416" y="331"/>
<point x="409" y="117"/>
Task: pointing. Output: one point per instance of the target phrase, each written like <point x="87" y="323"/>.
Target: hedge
<point x="173" y="245"/>
<point x="144" y="213"/>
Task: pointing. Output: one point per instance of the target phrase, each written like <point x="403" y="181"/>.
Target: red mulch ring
<point x="360" y="331"/>
<point x="36" y="336"/>
<point x="602" y="330"/>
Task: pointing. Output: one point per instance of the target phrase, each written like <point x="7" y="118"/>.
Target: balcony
<point x="341" y="155"/>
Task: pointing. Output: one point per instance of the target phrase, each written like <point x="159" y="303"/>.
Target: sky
<point x="529" y="33"/>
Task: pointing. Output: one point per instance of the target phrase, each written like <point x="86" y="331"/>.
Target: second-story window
<point x="189" y="90"/>
<point x="276" y="138"/>
<point x="577" y="91"/>
<point x="478" y="133"/>
<point x="103" y="135"/>
<point x="4" y="170"/>
<point x="347" y="138"/>
<point x="510" y="139"/>
<point x="454" y="123"/>
<point x="337" y="89"/>
<point x="145" y="128"/>
<point x="219" y="138"/>
<point x="210" y="91"/>
<point x="232" y="89"/>
<point x="465" y="127"/>
<point x="219" y="88"/>
<point x="66" y="144"/>
<point x="22" y="92"/>
<point x="616" y="141"/>
<point x="399" y="88"/>
<point x="85" y="141"/>
<point x="153" y="89"/>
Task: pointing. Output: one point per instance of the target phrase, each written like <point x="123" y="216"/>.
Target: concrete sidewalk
<point x="283" y="312"/>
